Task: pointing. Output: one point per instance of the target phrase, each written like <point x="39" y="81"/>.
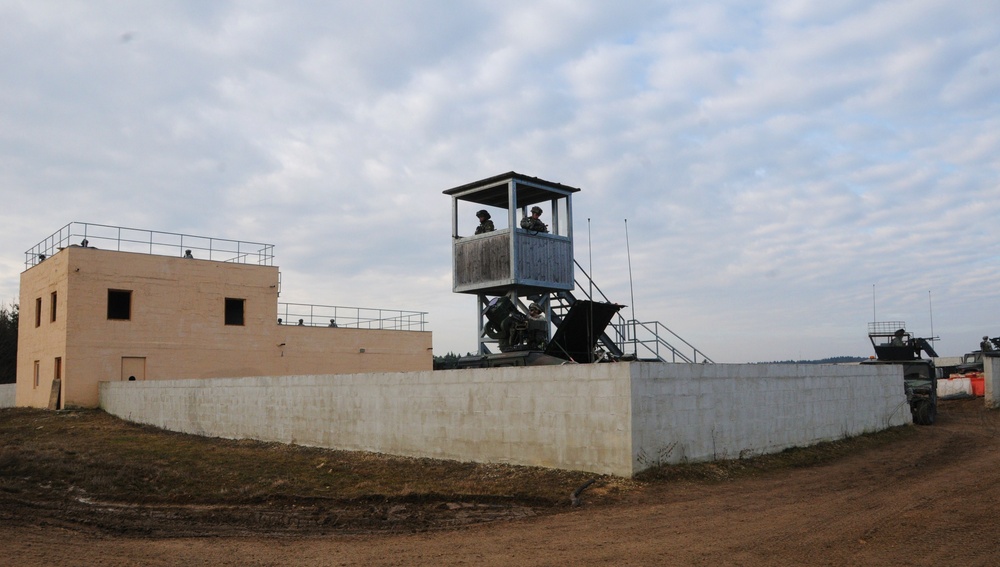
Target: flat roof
<point x="493" y="191"/>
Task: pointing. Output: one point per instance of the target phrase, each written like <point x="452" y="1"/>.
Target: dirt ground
<point x="928" y="498"/>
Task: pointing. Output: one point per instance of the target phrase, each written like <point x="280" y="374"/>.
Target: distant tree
<point x="448" y="361"/>
<point x="8" y="344"/>
<point x="831" y="360"/>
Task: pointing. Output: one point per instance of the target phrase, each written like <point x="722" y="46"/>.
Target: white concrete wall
<point x="7" y="395"/>
<point x="991" y="380"/>
<point x="603" y="418"/>
<point x="572" y="417"/>
<point x="698" y="412"/>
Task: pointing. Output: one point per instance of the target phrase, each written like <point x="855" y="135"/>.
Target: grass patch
<point x="794" y="457"/>
<point x="91" y="452"/>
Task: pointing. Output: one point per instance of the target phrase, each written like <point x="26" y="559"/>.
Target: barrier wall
<point x="7" y="395"/>
<point x="991" y="379"/>
<point x="603" y="418"/>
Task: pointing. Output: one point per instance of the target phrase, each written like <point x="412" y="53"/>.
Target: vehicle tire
<point x="923" y="412"/>
<point x="491" y="331"/>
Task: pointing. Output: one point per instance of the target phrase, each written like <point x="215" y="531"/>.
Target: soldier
<point x="897" y="338"/>
<point x="535" y="312"/>
<point x="986" y="345"/>
<point x="485" y="224"/>
<point x="533" y="223"/>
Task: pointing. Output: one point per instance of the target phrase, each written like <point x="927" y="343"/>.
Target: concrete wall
<point x="698" y="412"/>
<point x="7" y="393"/>
<point x="560" y="417"/>
<point x="991" y="379"/>
<point x="604" y="418"/>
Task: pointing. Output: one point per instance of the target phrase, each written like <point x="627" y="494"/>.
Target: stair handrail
<point x="621" y="326"/>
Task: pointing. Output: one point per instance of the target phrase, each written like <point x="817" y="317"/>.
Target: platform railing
<point x="142" y="241"/>
<point x="350" y="317"/>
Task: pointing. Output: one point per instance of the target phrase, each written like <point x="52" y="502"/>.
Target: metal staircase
<point x="626" y="337"/>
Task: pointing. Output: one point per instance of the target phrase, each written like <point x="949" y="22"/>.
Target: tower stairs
<point x="625" y="338"/>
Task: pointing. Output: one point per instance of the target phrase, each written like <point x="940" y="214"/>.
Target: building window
<point x="57" y="373"/>
<point x="53" y="307"/>
<point x="36" y="373"/>
<point x="119" y="304"/>
<point x="234" y="311"/>
<point x="38" y="312"/>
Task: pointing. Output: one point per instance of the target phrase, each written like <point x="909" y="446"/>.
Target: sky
<point x="762" y="178"/>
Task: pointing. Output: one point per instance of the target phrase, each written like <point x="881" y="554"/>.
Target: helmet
<point x="536" y="209"/>
<point x="483" y="213"/>
<point x="534" y="307"/>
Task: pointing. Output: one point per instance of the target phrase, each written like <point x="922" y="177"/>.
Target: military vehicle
<point x="524" y="342"/>
<point x="973" y="361"/>
<point x="893" y="344"/>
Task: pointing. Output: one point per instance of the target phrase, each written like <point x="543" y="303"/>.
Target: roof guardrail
<point x="123" y="239"/>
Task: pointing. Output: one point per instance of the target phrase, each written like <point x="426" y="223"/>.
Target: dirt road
<point x="929" y="499"/>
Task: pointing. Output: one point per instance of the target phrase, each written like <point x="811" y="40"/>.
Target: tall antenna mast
<point x="873" y="304"/>
<point x="590" y="294"/>
<point x="590" y="254"/>
<point x="631" y="289"/>
<point x="930" y="306"/>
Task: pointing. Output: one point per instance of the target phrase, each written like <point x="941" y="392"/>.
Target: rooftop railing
<point x="142" y="241"/>
<point x="350" y="317"/>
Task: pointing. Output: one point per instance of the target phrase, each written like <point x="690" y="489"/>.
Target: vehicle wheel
<point x="491" y="331"/>
<point x="923" y="412"/>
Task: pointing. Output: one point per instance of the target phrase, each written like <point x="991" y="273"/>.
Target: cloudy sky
<point x="786" y="170"/>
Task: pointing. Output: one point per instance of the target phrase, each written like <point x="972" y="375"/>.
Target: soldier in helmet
<point x="986" y="345"/>
<point x="485" y="224"/>
<point x="898" y="338"/>
<point x="535" y="312"/>
<point x="533" y="223"/>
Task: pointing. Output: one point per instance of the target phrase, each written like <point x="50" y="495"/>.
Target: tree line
<point x="8" y="344"/>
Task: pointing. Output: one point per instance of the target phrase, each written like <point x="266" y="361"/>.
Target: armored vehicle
<point x="893" y="344"/>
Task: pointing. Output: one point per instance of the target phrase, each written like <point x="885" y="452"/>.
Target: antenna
<point x="930" y="306"/>
<point x="590" y="254"/>
<point x="874" y="318"/>
<point x="631" y="289"/>
<point x="590" y="295"/>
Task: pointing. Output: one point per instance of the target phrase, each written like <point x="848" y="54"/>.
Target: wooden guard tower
<point x="511" y="261"/>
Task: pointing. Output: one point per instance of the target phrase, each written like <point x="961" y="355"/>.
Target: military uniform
<point x="485" y="225"/>
<point x="533" y="223"/>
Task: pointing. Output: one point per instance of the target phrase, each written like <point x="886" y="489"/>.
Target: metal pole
<point x="628" y="253"/>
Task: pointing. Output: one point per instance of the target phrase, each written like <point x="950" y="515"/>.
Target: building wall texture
<point x="177" y="327"/>
<point x="7" y="395"/>
<point x="604" y="418"/>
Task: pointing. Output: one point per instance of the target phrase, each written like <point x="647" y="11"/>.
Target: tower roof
<point x="493" y="191"/>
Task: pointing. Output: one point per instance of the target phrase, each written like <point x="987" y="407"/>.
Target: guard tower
<point x="510" y="261"/>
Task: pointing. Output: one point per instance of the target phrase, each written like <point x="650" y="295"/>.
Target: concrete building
<point x="102" y="303"/>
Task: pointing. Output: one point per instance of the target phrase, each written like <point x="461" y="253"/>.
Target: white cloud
<point x="774" y="161"/>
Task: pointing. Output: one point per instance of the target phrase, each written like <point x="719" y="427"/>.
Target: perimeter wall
<point x="7" y="394"/>
<point x="604" y="418"/>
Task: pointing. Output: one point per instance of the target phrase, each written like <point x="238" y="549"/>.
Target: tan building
<point x="113" y="308"/>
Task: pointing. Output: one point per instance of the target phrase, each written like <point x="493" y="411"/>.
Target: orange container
<point x="978" y="386"/>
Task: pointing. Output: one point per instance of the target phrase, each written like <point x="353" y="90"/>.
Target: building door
<point x="133" y="368"/>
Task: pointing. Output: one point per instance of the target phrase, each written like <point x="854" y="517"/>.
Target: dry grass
<point x="92" y="453"/>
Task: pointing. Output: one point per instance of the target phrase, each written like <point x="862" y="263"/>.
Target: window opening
<point x="119" y="304"/>
<point x="53" y="307"/>
<point x="38" y="312"/>
<point x="234" y="311"/>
